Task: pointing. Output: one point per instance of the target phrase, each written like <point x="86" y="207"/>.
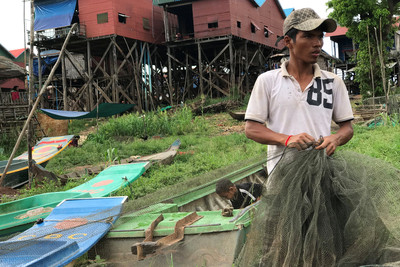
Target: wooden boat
<point x="113" y="178"/>
<point x="19" y="215"/>
<point x="237" y="115"/>
<point x="163" y="158"/>
<point x="17" y="173"/>
<point x="42" y="152"/>
<point x="71" y="229"/>
<point x="153" y="236"/>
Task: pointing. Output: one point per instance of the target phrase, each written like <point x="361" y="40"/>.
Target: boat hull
<point x="42" y="152"/>
<point x="112" y="179"/>
<point x="209" y="249"/>
<point x="17" y="174"/>
<point x="213" y="240"/>
<point x="19" y="215"/>
<point x="71" y="229"/>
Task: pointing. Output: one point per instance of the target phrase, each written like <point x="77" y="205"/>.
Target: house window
<point x="122" y="18"/>
<point x="146" y="24"/>
<point x="266" y="31"/>
<point x="102" y="18"/>
<point x="213" y="24"/>
<point x="238" y="24"/>
<point x="253" y="28"/>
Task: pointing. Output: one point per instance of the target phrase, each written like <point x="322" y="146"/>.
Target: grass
<point x="382" y="142"/>
<point x="211" y="151"/>
<point x="206" y="140"/>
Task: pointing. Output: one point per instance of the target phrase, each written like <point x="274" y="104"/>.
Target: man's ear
<point x="287" y="41"/>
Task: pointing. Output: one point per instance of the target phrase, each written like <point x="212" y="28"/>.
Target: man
<point x="298" y="102"/>
<point x="240" y="195"/>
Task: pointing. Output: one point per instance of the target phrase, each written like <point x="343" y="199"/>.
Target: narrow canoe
<point x="17" y="173"/>
<point x="112" y="179"/>
<point x="19" y="215"/>
<point x="71" y="229"/>
<point x="212" y="240"/>
<point x="42" y="152"/>
<point x="238" y="115"/>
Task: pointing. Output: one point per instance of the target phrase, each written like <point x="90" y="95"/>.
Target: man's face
<point x="307" y="47"/>
<point x="230" y="194"/>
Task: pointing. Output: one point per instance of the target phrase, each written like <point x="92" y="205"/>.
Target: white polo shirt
<point x="278" y="101"/>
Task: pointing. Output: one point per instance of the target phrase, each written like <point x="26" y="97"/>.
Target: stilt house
<point x="154" y="53"/>
<point x="228" y="41"/>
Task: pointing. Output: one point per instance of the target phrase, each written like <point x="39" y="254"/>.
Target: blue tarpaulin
<point x="103" y="110"/>
<point x="46" y="65"/>
<point x="50" y="14"/>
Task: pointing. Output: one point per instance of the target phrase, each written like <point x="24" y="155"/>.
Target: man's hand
<point x="341" y="137"/>
<point x="301" y="141"/>
<point x="330" y="142"/>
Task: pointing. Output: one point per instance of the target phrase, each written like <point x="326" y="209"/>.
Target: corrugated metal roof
<point x="338" y="32"/>
<point x="162" y="2"/>
<point x="288" y="11"/>
<point x="17" y="52"/>
<point x="260" y="2"/>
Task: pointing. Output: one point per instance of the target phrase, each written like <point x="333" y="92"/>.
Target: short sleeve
<point x="342" y="110"/>
<point x="258" y="108"/>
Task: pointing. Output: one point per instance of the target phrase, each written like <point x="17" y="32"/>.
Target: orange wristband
<point x="287" y="140"/>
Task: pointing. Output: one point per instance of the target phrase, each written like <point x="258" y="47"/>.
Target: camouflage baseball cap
<point x="306" y="19"/>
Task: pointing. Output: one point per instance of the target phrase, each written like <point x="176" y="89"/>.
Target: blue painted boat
<point x="70" y="230"/>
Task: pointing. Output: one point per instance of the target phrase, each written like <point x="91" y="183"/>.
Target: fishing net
<point x="326" y="211"/>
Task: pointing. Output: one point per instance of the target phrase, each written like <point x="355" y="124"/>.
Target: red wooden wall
<point x="207" y="11"/>
<point x="229" y="12"/>
<point x="136" y="10"/>
<point x="267" y="15"/>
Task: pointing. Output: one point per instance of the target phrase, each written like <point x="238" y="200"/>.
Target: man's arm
<point x="341" y="137"/>
<point x="261" y="134"/>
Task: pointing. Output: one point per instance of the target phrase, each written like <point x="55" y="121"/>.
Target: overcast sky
<point x="12" y="19"/>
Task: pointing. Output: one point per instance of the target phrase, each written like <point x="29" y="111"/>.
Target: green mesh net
<point x="326" y="211"/>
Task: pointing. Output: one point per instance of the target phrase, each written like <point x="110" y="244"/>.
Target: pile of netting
<point x="318" y="210"/>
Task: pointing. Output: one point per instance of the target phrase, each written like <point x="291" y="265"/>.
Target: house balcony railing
<point x="59" y="33"/>
<point x="13" y="98"/>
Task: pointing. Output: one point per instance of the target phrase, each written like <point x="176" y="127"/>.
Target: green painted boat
<point x="19" y="215"/>
<point x="211" y="240"/>
<point x="17" y="172"/>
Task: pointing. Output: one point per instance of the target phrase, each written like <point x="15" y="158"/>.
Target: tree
<point x="371" y="24"/>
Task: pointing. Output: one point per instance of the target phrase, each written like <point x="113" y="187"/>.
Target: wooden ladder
<point x="36" y="121"/>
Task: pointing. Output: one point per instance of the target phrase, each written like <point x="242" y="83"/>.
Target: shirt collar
<point x="317" y="70"/>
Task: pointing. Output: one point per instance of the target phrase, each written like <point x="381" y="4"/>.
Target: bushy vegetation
<point x="7" y="143"/>
<point x="159" y="123"/>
